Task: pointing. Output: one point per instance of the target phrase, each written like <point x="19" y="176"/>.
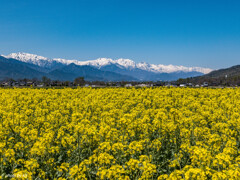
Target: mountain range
<point x="25" y="65"/>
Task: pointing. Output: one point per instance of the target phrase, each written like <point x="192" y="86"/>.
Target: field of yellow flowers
<point x="120" y="133"/>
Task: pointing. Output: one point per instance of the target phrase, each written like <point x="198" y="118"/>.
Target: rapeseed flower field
<point x="120" y="133"/>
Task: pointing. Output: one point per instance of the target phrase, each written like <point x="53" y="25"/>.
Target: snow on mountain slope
<point x="31" y="59"/>
<point x="25" y="57"/>
<point x="98" y="63"/>
<point x="160" y="68"/>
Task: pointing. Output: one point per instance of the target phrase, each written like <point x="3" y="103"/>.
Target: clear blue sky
<point x="191" y="33"/>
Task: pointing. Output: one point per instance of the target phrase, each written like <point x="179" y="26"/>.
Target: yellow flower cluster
<point x="120" y="133"/>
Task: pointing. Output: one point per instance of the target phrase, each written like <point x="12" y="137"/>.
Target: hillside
<point x="71" y="71"/>
<point x="11" y="68"/>
<point x="228" y="72"/>
<point x="227" y="76"/>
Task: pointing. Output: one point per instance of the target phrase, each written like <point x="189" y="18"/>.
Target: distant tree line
<point x="79" y="81"/>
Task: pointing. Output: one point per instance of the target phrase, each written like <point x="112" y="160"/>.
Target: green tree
<point x="46" y="81"/>
<point x="79" y="81"/>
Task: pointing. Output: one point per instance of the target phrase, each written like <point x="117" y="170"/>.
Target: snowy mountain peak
<point x="127" y="63"/>
<point x="99" y="62"/>
<point x="31" y="59"/>
<point x="25" y="56"/>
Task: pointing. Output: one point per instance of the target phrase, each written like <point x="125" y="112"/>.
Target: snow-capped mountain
<point x="101" y="62"/>
<point x="34" y="59"/>
<point x="15" y="69"/>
